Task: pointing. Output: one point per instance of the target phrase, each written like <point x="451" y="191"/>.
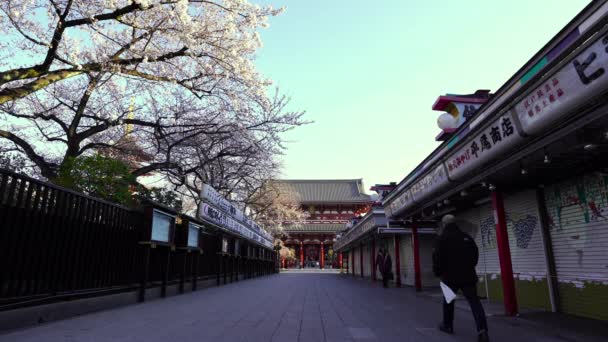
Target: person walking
<point x="385" y="265"/>
<point x="455" y="256"/>
<point x="380" y="262"/>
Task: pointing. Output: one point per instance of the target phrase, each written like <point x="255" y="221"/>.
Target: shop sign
<point x="214" y="215"/>
<point x="234" y="217"/>
<point x="492" y="142"/>
<point x="430" y="183"/>
<point x="209" y="194"/>
<point x="580" y="80"/>
<point x="369" y="224"/>
<point x="403" y="200"/>
<point x="463" y="111"/>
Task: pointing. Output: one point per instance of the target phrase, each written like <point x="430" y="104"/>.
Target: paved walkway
<point x="286" y="308"/>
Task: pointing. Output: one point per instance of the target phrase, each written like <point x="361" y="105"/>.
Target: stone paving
<point x="286" y="307"/>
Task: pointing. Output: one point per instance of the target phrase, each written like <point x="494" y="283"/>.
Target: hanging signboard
<point x="430" y="183"/>
<point x="371" y="221"/>
<point x="210" y="195"/>
<point x="488" y="144"/>
<point x="578" y="81"/>
<point x="214" y="215"/>
<point x="220" y="211"/>
<point x="398" y="203"/>
<point x="420" y="190"/>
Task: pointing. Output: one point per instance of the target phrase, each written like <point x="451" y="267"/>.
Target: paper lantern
<point x="446" y="121"/>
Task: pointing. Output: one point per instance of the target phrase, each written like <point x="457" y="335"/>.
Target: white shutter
<point x="407" y="261"/>
<point x="356" y="269"/>
<point x="578" y="213"/>
<point x="527" y="250"/>
<point x="479" y="223"/>
<point x="366" y="259"/>
<point x="426" y="261"/>
<point x="391" y="251"/>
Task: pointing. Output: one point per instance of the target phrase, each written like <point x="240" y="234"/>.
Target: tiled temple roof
<point x="314" y="228"/>
<point x="326" y="191"/>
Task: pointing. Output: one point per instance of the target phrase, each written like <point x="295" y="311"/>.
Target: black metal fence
<point x="56" y="244"/>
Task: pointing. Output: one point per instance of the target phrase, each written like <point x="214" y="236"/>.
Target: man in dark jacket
<point x="385" y="266"/>
<point x="455" y="256"/>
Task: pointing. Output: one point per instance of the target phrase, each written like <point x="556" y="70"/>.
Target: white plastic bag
<point x="448" y="294"/>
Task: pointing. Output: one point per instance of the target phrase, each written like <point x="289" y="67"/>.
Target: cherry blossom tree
<point x="275" y="206"/>
<point x="157" y="81"/>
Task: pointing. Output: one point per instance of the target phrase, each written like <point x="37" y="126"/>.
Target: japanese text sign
<point x="581" y="79"/>
<point x="488" y="144"/>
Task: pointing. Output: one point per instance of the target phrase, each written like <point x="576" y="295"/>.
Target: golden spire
<point x="129" y="127"/>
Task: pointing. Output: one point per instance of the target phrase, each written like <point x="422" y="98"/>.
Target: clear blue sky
<point x="368" y="72"/>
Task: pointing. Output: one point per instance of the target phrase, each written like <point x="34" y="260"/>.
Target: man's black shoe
<point x="483" y="336"/>
<point x="446" y="329"/>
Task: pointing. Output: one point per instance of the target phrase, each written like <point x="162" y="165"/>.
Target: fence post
<point x="145" y="271"/>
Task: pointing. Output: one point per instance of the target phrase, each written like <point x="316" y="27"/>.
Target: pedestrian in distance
<point x="385" y="266"/>
<point x="455" y="256"/>
<point x="380" y="262"/>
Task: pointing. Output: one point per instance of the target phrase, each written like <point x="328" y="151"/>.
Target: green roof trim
<point x="534" y="70"/>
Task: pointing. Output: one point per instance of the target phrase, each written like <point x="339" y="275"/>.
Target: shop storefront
<point x="525" y="175"/>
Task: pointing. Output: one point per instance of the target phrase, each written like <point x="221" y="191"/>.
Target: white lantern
<point x="446" y="121"/>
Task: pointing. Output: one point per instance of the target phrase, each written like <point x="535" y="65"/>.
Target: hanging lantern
<point x="446" y="121"/>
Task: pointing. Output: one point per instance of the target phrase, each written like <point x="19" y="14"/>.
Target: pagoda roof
<point x="335" y="191"/>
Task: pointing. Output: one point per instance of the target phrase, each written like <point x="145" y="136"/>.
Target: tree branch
<point x="10" y="94"/>
<point x="46" y="168"/>
<point x="154" y="166"/>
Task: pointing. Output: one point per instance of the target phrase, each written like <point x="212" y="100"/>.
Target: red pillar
<point x="397" y="261"/>
<point x="361" y="258"/>
<point x="322" y="263"/>
<point x="301" y="255"/>
<point x="373" y="259"/>
<point x="340" y="261"/>
<point x="416" y="252"/>
<point x="504" y="255"/>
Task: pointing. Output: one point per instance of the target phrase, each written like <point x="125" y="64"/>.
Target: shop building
<point x="526" y="174"/>
<point x="360" y="242"/>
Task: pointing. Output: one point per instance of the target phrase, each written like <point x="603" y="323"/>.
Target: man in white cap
<point x="455" y="256"/>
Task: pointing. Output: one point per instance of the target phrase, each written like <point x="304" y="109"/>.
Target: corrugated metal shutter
<point x="426" y="261"/>
<point x="578" y="211"/>
<point x="367" y="260"/>
<point x="407" y="261"/>
<point x="479" y="223"/>
<point x="357" y="269"/>
<point x="527" y="250"/>
<point x="391" y="250"/>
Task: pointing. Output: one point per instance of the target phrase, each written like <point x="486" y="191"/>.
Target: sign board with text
<point x="578" y="81"/>
<point x="430" y="183"/>
<point x="490" y="143"/>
